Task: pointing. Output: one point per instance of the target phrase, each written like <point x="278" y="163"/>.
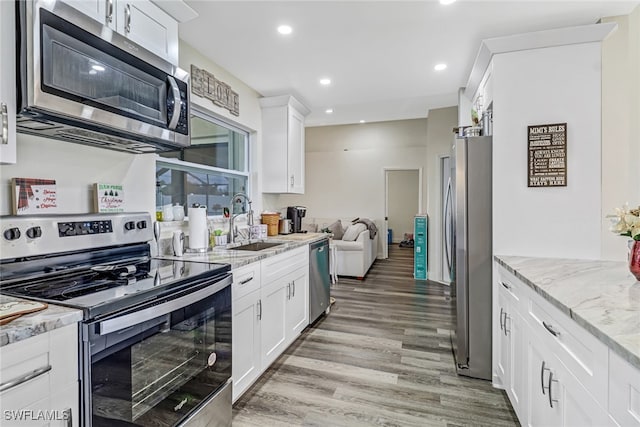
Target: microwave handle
<point x="177" y="109"/>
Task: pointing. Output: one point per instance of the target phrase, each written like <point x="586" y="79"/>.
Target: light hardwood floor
<point x="381" y="357"/>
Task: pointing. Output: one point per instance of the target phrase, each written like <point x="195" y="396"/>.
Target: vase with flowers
<point x="626" y="222"/>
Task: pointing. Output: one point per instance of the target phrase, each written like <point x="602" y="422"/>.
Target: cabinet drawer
<point x="512" y="287"/>
<point x="20" y="359"/>
<point x="582" y="353"/>
<point x="624" y="391"/>
<point x="279" y="265"/>
<point x="245" y="280"/>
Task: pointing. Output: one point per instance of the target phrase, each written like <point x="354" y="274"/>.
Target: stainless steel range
<point x="155" y="342"/>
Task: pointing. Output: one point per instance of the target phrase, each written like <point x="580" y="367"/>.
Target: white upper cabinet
<point x="7" y="83"/>
<point x="283" y="145"/>
<point x="149" y="26"/>
<point x="141" y="21"/>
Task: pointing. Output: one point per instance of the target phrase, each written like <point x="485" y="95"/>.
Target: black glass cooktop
<point x="103" y="284"/>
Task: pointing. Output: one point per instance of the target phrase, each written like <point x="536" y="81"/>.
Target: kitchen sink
<point x="256" y="246"/>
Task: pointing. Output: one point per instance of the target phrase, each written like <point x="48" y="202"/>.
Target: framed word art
<point x="547" y="155"/>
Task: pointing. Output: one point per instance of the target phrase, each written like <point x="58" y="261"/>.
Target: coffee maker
<point x="295" y="214"/>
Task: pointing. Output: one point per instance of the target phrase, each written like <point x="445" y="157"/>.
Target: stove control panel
<point x="80" y="228"/>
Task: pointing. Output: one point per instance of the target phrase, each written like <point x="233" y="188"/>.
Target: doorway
<point x="403" y="200"/>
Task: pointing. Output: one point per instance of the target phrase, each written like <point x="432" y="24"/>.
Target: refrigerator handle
<point x="447" y="205"/>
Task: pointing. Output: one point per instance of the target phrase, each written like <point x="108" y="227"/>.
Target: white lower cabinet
<point x="553" y="371"/>
<point x="246" y="363"/>
<point x="274" y="327"/>
<point x="270" y="309"/>
<point x="45" y="371"/>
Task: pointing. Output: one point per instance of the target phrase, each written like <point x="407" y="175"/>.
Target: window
<point x="210" y="171"/>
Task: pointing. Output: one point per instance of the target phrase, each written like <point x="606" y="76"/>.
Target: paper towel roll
<point x="198" y="232"/>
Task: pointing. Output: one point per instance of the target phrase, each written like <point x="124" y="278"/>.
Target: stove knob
<point x="12" y="233"/>
<point x="34" y="232"/>
<point x="129" y="225"/>
<point x="142" y="225"/>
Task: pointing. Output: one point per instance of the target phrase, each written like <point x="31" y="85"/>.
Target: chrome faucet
<point x="236" y="198"/>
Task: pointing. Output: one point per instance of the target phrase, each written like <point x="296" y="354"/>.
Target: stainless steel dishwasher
<point x="319" y="280"/>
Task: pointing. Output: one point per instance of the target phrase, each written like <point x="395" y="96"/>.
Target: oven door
<point x="159" y="363"/>
<point x="81" y="73"/>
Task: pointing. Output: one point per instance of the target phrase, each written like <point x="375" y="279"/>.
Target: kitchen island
<point x="567" y="340"/>
<point x="601" y="296"/>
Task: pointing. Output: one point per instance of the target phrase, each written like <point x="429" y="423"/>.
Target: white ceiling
<point x="379" y="54"/>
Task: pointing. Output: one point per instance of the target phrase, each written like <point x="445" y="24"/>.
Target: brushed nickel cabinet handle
<point x="24" y="378"/>
<point x="110" y="11"/>
<point x="245" y="281"/>
<point x="5" y="123"/>
<point x="127" y="19"/>
<point x="550" y="329"/>
<point x="289" y="290"/>
<point x="259" y="309"/>
<point x="506" y="331"/>
<point x="551" y="399"/>
<point x="292" y="180"/>
<point x="501" y="325"/>
<point x="505" y="285"/>
<point x="294" y="289"/>
<point x="542" y="369"/>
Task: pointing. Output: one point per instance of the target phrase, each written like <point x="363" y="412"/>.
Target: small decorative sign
<point x="547" y="155"/>
<point x="204" y="84"/>
<point x="33" y="196"/>
<point x="108" y="198"/>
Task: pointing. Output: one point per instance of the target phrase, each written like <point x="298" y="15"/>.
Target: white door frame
<point x="385" y="223"/>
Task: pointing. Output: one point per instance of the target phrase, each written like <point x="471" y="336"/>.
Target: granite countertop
<point x="239" y="258"/>
<point x="29" y="325"/>
<point x="601" y="296"/>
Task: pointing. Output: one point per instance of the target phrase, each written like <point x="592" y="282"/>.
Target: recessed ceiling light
<point x="363" y="121"/>
<point x="285" y="29"/>
<point x="329" y="110"/>
<point x="440" y="67"/>
<point x="446" y="2"/>
<point x="98" y="67"/>
<point x="325" y="81"/>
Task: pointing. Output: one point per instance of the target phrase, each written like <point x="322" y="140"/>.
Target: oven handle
<point x="137" y="317"/>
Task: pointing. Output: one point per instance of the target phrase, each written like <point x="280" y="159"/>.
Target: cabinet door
<point x="503" y="342"/>
<point x="149" y="26"/>
<point x="7" y="83"/>
<point x="541" y="364"/>
<point x="246" y="342"/>
<point x="297" y="315"/>
<point x="273" y="328"/>
<point x="296" y="152"/>
<point x="65" y="402"/>
<point x="102" y="11"/>
<point x="517" y="380"/>
<point x="579" y="408"/>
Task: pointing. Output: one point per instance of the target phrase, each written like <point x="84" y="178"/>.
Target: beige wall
<point x="439" y="141"/>
<point x="403" y="190"/>
<point x="345" y="167"/>
<point x="620" y="125"/>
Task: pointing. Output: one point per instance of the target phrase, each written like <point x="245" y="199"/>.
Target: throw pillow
<point x="336" y="229"/>
<point x="353" y="231"/>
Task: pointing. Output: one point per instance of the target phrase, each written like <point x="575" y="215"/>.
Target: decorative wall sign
<point x="33" y="196"/>
<point x="547" y="155"/>
<point x="108" y="198"/>
<point x="204" y="84"/>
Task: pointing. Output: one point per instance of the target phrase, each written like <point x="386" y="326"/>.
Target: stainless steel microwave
<point x="80" y="81"/>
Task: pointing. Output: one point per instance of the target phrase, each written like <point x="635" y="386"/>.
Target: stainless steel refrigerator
<point x="470" y="244"/>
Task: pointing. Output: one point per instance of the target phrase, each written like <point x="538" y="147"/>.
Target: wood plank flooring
<point x="381" y="357"/>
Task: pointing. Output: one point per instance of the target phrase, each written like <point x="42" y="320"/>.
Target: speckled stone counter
<point x="29" y="325"/>
<point x="239" y="258"/>
<point x="601" y="296"/>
